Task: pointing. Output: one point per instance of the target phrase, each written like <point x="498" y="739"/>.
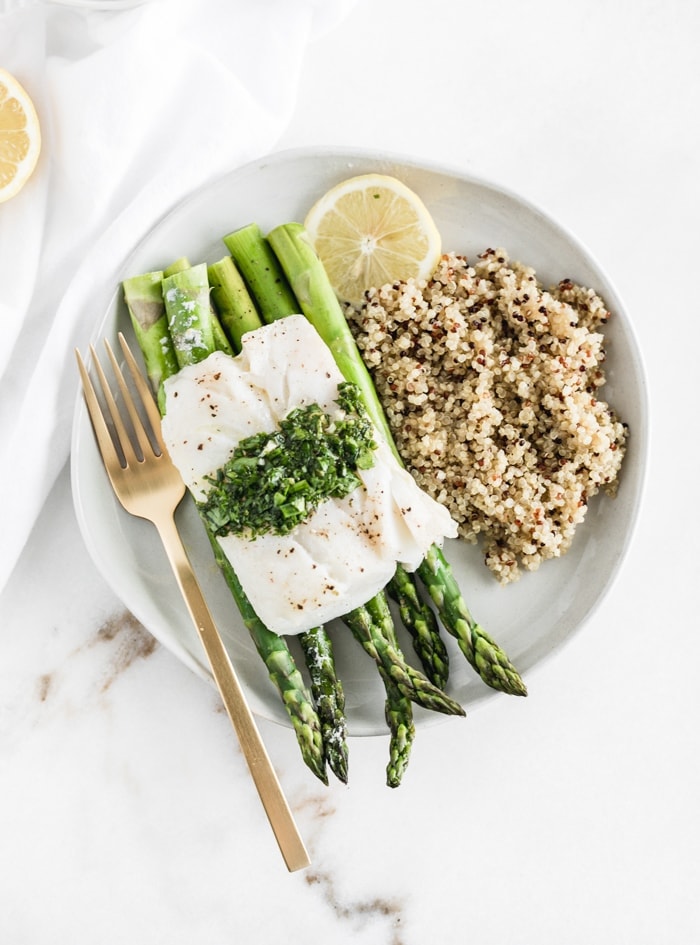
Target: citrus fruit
<point x="370" y="230"/>
<point x="20" y="137"/>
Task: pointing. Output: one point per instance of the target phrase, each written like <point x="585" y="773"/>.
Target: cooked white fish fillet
<point x="348" y="549"/>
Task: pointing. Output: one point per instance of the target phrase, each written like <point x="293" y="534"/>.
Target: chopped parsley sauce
<point x="275" y="481"/>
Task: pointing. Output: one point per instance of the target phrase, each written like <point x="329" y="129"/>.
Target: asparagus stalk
<point x="186" y="296"/>
<point x="271" y="647"/>
<point x="232" y="297"/>
<point x="232" y="300"/>
<point x="329" y="697"/>
<point x="144" y="300"/>
<point x="262" y="272"/>
<point x="398" y="712"/>
<point x="221" y="340"/>
<point x="178" y="265"/>
<point x="420" y="621"/>
<point x="319" y="303"/>
<point x="282" y="671"/>
<point x="485" y="656"/>
<point x="369" y="625"/>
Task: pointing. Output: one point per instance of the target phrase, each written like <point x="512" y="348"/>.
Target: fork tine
<point x="119" y="426"/>
<point x="99" y="425"/>
<point x="140" y="431"/>
<point x="144" y="390"/>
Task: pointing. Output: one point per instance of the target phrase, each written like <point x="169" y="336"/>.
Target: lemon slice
<point x="20" y="136"/>
<point x="370" y="230"/>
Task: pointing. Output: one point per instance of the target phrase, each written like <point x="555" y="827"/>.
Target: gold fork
<point x="149" y="486"/>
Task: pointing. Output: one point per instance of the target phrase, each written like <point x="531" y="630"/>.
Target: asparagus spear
<point x="221" y="341"/>
<point x="369" y="627"/>
<point x="186" y="296"/>
<point x="262" y="272"/>
<point x="399" y="718"/>
<point x="420" y="621"/>
<point x="240" y="315"/>
<point x="144" y="300"/>
<point x="271" y="647"/>
<point x="282" y="670"/>
<point x="329" y="697"/>
<point x="232" y="300"/>
<point x="178" y="265"/>
<point x="398" y="712"/>
<point x="486" y="657"/>
<point x="319" y="303"/>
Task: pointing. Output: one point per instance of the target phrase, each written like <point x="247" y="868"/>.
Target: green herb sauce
<point x="275" y="481"/>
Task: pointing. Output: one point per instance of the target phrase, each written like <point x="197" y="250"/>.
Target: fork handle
<point x="254" y="751"/>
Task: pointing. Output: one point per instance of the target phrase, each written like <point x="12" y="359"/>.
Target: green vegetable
<point x="179" y="265"/>
<point x="398" y="712"/>
<point x="372" y="627"/>
<point x="186" y="297"/>
<point x="144" y="299"/>
<point x="232" y="301"/>
<point x="482" y="653"/>
<point x="420" y="621"/>
<point x="329" y="697"/>
<point x="221" y="341"/>
<point x="269" y="279"/>
<point x="262" y="273"/>
<point x="320" y="305"/>
<point x="282" y="671"/>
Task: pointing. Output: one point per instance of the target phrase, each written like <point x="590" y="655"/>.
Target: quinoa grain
<point x="490" y="385"/>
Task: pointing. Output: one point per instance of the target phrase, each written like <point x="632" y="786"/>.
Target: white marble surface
<point x="127" y="813"/>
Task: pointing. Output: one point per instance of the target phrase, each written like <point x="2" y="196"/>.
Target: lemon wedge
<point x="370" y="230"/>
<point x="20" y="136"/>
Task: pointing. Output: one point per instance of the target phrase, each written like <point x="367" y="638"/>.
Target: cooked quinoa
<point x="490" y="385"/>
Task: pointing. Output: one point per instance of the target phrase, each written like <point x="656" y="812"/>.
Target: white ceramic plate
<point x="530" y="618"/>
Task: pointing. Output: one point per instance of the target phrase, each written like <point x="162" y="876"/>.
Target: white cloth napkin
<point x="138" y="108"/>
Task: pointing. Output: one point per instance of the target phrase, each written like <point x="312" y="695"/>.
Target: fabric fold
<point x="138" y="109"/>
